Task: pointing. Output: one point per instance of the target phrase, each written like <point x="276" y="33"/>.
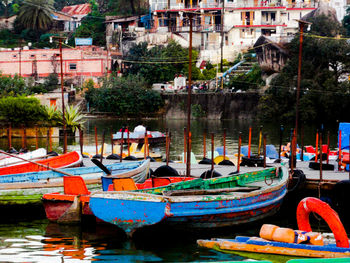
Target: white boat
<point x="39" y="153"/>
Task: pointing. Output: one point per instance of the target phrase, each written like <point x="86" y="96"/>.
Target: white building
<point x="244" y="21"/>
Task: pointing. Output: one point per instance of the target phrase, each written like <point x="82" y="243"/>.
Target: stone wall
<point x="213" y="105"/>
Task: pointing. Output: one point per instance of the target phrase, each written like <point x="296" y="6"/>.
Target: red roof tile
<point x="82" y="9"/>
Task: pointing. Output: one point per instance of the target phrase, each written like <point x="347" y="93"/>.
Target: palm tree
<point x="36" y="14"/>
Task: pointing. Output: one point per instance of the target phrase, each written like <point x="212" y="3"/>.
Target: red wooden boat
<point x="60" y="207"/>
<point x="70" y="159"/>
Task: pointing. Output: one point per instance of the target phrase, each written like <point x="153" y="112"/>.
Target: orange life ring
<point x="311" y="204"/>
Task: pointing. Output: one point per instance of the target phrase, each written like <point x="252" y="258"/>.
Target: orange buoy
<point x="267" y="231"/>
<point x="311" y="204"/>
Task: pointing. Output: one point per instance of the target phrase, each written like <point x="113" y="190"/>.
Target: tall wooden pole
<point x="63" y="109"/>
<point x="188" y="163"/>
<point x="301" y="32"/>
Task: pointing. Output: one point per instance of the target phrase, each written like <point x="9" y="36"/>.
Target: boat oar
<point x="9" y="136"/>
<point x="328" y="145"/>
<point x="205" y="160"/>
<point x="166" y="170"/>
<point x="211" y="173"/>
<point x="103" y="143"/>
<point x="280" y="148"/>
<point x="239" y="154"/>
<point x="249" y="141"/>
<point x="36" y="137"/>
<point x="112" y="156"/>
<point x="302" y="144"/>
<point x="224" y="161"/>
<point x="101" y="166"/>
<point x="96" y="145"/>
<point x="260" y="140"/>
<point x="129" y="157"/>
<point x="39" y="164"/>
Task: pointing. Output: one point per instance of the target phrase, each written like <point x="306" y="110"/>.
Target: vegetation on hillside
<point x="325" y="88"/>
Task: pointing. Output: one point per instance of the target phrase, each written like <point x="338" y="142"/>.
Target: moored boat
<point x="70" y="159"/>
<point x="28" y="188"/>
<point x="288" y="242"/>
<point x="199" y="203"/>
<point x="57" y="204"/>
<point x="33" y="155"/>
<point x="139" y="137"/>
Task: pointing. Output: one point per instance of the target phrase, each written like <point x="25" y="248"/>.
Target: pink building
<point x="83" y="62"/>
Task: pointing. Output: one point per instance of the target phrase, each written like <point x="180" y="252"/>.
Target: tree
<point x="128" y="7"/>
<point x="126" y="96"/>
<point x="93" y="25"/>
<point x="324" y="89"/>
<point x="36" y="14"/>
<point x="160" y="63"/>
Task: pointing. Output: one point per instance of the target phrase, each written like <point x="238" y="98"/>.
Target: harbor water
<point x="32" y="238"/>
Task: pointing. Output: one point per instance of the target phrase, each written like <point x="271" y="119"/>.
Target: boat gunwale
<point x="149" y="197"/>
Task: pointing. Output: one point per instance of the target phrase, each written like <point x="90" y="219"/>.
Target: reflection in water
<point x="40" y="241"/>
<point x="176" y="128"/>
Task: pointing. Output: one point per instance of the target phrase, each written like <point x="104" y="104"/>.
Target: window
<point x="72" y="66"/>
<point x="14" y="56"/>
<point x="44" y="56"/>
<point x="32" y="56"/>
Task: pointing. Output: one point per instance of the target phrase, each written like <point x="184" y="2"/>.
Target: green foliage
<point x="209" y="73"/>
<point x="36" y="14"/>
<point x="12" y="85"/>
<point x="246" y="81"/>
<point x="7" y="39"/>
<point x="157" y="70"/>
<point x="21" y="109"/>
<point x="197" y="111"/>
<point x="59" y="4"/>
<point x="324" y="95"/>
<point x="53" y="116"/>
<point x="124" y="97"/>
<point x="93" y="25"/>
<point x="128" y="7"/>
<point x="73" y="117"/>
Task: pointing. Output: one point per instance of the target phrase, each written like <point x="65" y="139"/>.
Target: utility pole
<point x="301" y="32"/>
<point x="188" y="163"/>
<point x="62" y="92"/>
<point x="63" y="109"/>
<point x="222" y="34"/>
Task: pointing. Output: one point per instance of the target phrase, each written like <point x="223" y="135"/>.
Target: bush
<point x="21" y="109"/>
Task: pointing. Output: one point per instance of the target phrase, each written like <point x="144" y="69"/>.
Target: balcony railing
<point x="198" y="28"/>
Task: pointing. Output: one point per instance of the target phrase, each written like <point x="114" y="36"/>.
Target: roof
<point x="265" y="41"/>
<point x="82" y="9"/>
<point x="57" y="15"/>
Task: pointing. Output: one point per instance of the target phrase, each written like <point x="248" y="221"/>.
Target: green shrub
<point x="21" y="109"/>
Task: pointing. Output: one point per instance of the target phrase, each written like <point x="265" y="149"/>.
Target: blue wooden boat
<point x="258" y="245"/>
<point x="287" y="242"/>
<point x="28" y="188"/>
<point x="199" y="203"/>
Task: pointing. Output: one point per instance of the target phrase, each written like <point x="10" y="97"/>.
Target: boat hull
<point x="220" y="207"/>
<point x="256" y="245"/>
<point x="28" y="188"/>
<point x="65" y="160"/>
